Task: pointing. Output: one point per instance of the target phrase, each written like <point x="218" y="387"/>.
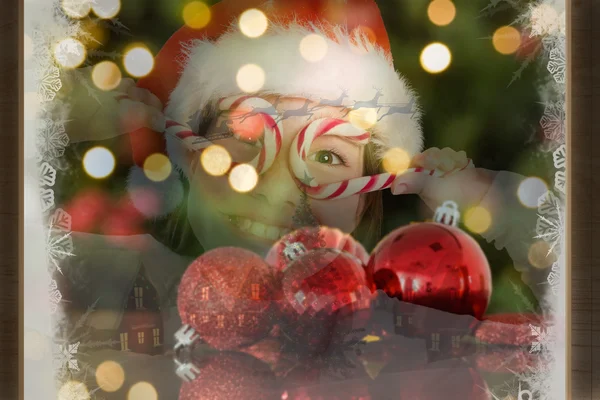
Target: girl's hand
<point x="466" y="187"/>
<point x="112" y="113"/>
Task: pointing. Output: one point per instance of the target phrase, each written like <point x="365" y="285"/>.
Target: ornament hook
<point x="447" y="214"/>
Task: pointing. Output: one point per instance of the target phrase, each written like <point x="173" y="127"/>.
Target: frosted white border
<point x="548" y="382"/>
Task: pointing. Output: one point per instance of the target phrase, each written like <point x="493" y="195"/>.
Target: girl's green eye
<point x="325" y="157"/>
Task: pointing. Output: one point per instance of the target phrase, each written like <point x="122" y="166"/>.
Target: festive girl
<point x="195" y="77"/>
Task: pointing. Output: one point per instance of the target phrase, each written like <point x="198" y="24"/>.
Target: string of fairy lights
<point x="138" y="61"/>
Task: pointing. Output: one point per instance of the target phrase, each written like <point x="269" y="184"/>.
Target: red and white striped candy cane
<point x="270" y="140"/>
<point x="349" y="187"/>
<point x="271" y="146"/>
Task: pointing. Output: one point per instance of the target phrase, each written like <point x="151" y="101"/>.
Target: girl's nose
<point x="277" y="187"/>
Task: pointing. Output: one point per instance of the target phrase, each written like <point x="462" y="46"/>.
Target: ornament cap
<point x="294" y="250"/>
<point x="447" y="214"/>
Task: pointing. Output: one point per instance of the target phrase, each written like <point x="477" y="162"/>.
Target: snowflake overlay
<point x="65" y="358"/>
<point x="52" y="140"/>
<point x="560" y="163"/>
<point x="55" y="296"/>
<point x="553" y="121"/>
<point x="59" y="243"/>
<point x="557" y="65"/>
<point x="550" y="225"/>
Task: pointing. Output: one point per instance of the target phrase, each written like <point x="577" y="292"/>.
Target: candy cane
<point x="270" y="140"/>
<point x="349" y="187"/>
<point x="271" y="146"/>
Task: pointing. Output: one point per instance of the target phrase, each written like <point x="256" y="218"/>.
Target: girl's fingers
<point x="429" y="159"/>
<point x="144" y="96"/>
<point x="134" y="115"/>
<point x="125" y="85"/>
<point x="448" y="160"/>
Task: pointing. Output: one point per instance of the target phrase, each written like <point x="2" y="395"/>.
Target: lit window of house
<point x="156" y="335"/>
<point x="399" y="320"/>
<point x="124" y="344"/>
<point x="435" y="342"/>
<point x="204" y="294"/>
<point x="220" y="321"/>
<point x="205" y="319"/>
<point x="456" y="342"/>
<point x="138" y="292"/>
<point x="241" y="319"/>
<point x="255" y="291"/>
<point x="193" y="318"/>
<point x="141" y="337"/>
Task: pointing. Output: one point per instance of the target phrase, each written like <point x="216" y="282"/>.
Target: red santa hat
<point x="196" y="67"/>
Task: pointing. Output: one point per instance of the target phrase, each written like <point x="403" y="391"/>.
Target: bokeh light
<point x="70" y="53"/>
<point x="243" y="178"/>
<point x="441" y="12"/>
<point x="544" y="19"/>
<point x="106" y="75"/>
<point x="95" y="33"/>
<point x="157" y="167"/>
<point x="477" y="219"/>
<point x="363" y="118"/>
<point x="196" y="14"/>
<point x="396" y="161"/>
<point x="138" y="61"/>
<point x="506" y="40"/>
<point x="435" y="58"/>
<point x="110" y="376"/>
<point x="34" y="345"/>
<point x="76" y="8"/>
<point x="250" y="78"/>
<point x="73" y="390"/>
<point x="313" y="48"/>
<point x="540" y="256"/>
<point x="99" y="162"/>
<point x="142" y="391"/>
<point x="27" y="47"/>
<point x="215" y="160"/>
<point x="253" y="23"/>
<point x="530" y="190"/>
<point x="106" y="9"/>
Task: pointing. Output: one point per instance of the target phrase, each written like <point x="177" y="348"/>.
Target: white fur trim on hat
<point x="351" y="62"/>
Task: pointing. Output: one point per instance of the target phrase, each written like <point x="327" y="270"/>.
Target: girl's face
<point x="221" y="216"/>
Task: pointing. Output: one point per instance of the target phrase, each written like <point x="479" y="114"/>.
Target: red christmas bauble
<point x="433" y="265"/>
<point x="230" y="375"/>
<point x="227" y="296"/>
<point x="325" y="297"/>
<point x="310" y="238"/>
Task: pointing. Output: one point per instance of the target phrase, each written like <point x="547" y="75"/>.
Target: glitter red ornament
<point x="227" y="296"/>
<point x="310" y="238"/>
<point x="435" y="265"/>
<point x="325" y="296"/>
<point x="230" y="375"/>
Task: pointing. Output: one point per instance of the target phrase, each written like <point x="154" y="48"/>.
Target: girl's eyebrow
<point x="344" y="138"/>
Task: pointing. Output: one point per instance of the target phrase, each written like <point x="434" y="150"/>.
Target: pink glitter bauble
<point x="227" y="296"/>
